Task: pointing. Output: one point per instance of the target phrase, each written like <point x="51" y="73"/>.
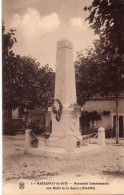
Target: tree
<point x="34" y="83"/>
<point x="25" y="83"/>
<point x="8" y="57"/>
<point x="89" y="70"/>
<point x="103" y="69"/>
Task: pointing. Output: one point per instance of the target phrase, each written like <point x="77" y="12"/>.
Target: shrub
<point x="11" y="127"/>
<point x="109" y="133"/>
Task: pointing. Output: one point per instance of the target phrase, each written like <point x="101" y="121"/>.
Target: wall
<point x="101" y="105"/>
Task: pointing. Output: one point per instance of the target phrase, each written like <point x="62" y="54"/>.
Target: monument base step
<point x="68" y="141"/>
<point x="65" y="153"/>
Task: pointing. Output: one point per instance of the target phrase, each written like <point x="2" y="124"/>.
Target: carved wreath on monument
<point x="77" y="109"/>
<point x="57" y="108"/>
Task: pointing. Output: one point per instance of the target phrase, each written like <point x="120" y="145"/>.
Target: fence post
<point x="28" y="138"/>
<point x="101" y="136"/>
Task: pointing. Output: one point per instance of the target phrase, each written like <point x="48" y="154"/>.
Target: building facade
<point x="106" y="107"/>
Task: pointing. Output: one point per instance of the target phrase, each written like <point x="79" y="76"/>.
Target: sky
<point x="39" y="24"/>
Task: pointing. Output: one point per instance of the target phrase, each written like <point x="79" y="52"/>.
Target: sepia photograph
<point x="62" y="97"/>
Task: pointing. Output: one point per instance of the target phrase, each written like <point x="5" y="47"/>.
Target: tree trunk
<point x="117" y="123"/>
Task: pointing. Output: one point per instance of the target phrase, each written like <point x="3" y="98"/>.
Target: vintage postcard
<point x="63" y="97"/>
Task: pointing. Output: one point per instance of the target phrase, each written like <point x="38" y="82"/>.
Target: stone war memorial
<point x="65" y="136"/>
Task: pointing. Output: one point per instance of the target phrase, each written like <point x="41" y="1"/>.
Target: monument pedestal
<point x="65" y="133"/>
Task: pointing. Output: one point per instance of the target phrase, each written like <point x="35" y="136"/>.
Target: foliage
<point x="7" y="44"/>
<point x="98" y="75"/>
<point x="109" y="133"/>
<point x="101" y="71"/>
<point x="8" y="57"/>
<point x="106" y="113"/>
<point x="106" y="19"/>
<point x="11" y="127"/>
<point x="94" y="116"/>
<point x="25" y="83"/>
<point x="86" y="117"/>
<point x="88" y="75"/>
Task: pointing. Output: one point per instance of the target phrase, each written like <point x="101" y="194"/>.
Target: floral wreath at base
<point x="59" y="111"/>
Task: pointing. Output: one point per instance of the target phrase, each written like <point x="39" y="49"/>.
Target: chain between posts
<point x="86" y="136"/>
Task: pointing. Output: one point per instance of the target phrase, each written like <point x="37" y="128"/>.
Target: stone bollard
<point x="101" y="136"/>
<point x="28" y="138"/>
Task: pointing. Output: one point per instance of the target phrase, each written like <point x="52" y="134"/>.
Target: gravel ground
<point x="108" y="164"/>
<point x="16" y="164"/>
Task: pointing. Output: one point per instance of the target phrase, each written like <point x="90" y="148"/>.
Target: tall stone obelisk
<point x="65" y="89"/>
<point x="65" y="132"/>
